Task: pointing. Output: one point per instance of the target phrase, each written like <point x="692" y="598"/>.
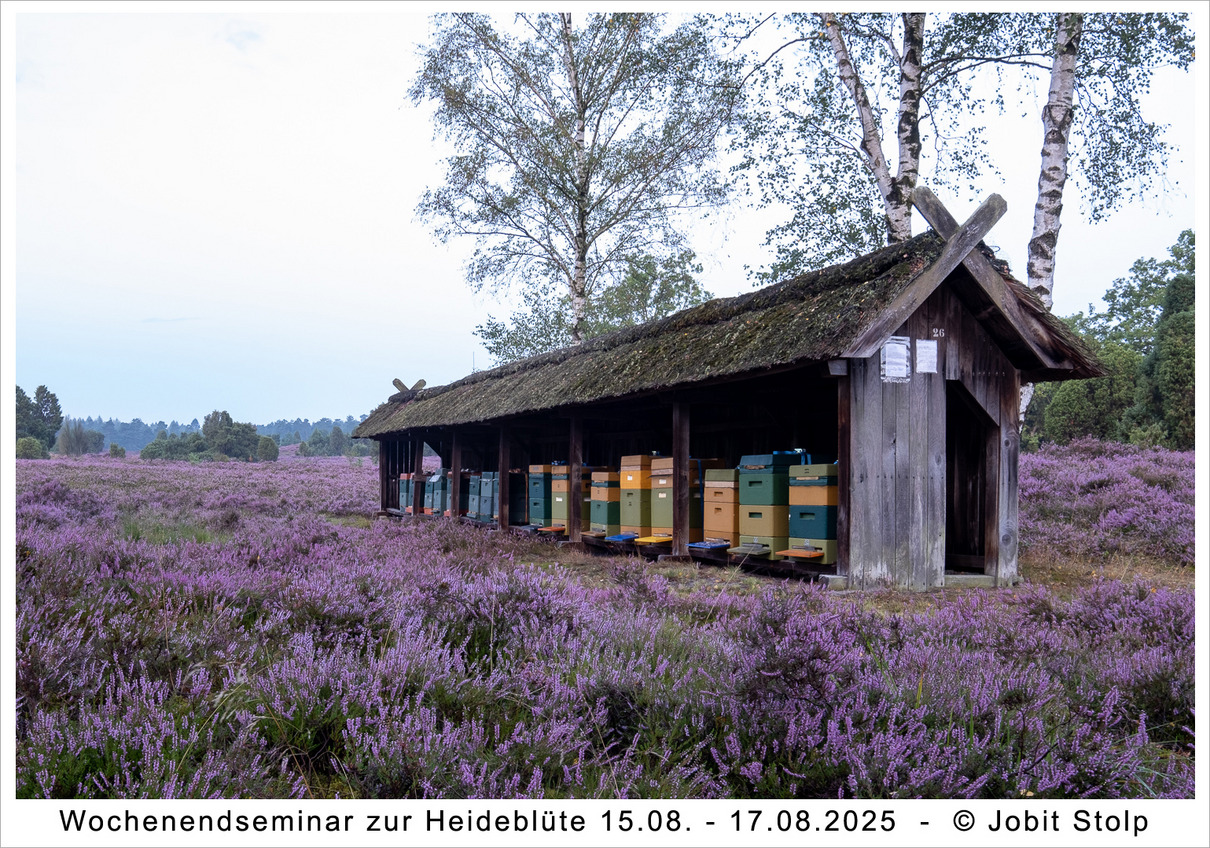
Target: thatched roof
<point x="809" y="318"/>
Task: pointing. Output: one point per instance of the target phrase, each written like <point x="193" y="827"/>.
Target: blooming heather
<point x="1093" y="498"/>
<point x="232" y="629"/>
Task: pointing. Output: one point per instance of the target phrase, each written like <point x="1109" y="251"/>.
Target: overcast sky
<point x="217" y="211"/>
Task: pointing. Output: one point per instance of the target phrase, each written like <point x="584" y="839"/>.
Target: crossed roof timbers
<point x="993" y="295"/>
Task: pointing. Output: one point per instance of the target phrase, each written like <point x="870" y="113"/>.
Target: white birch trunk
<point x="1057" y="116"/>
<point x="578" y="283"/>
<point x="899" y="207"/>
<point x="871" y="141"/>
<point x="1056" y="125"/>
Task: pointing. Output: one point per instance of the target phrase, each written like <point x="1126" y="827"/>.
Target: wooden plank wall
<point x="897" y="454"/>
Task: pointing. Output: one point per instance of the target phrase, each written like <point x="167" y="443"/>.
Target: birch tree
<point x="579" y="144"/>
<point x="867" y="102"/>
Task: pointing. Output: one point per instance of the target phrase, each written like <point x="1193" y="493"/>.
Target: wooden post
<point x="844" y="454"/>
<point x="383" y="478"/>
<point x="575" y="462"/>
<point x="680" y="479"/>
<point x="456" y="468"/>
<point x="502" y="483"/>
<point x="417" y="474"/>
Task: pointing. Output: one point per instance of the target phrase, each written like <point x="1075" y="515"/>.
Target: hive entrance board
<point x="801" y="553"/>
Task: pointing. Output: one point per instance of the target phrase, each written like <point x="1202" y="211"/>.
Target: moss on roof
<point x="810" y="317"/>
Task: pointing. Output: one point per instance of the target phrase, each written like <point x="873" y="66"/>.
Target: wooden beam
<point x="989" y="280"/>
<point x="844" y="454"/>
<point x="456" y="468"/>
<point x="383" y="476"/>
<point x="680" y="478"/>
<point x="502" y="484"/>
<point x="957" y="246"/>
<point x="417" y="474"/>
<point x="575" y="464"/>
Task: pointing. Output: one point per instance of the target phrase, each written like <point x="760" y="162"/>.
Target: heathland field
<point x="247" y="630"/>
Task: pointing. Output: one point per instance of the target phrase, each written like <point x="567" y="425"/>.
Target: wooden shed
<point x="904" y="366"/>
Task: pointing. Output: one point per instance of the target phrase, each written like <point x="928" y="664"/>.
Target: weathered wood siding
<point x="897" y="449"/>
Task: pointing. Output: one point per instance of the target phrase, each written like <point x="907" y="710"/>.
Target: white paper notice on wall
<point x="897" y="360"/>
<point x="926" y="356"/>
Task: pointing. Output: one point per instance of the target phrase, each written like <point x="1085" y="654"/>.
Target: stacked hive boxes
<point x="471" y="504"/>
<point x="635" y="485"/>
<point x="721" y="521"/>
<point x="562" y="497"/>
<point x="539" y="494"/>
<point x="487" y="500"/>
<point x="464" y="482"/>
<point x="764" y="515"/>
<point x="662" y="496"/>
<point x="814" y="498"/>
<point x="405" y="492"/>
<point x="606" y="508"/>
<point x="436" y="492"/>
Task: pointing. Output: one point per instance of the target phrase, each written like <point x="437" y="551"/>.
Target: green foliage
<point x="334" y="443"/>
<point x="267" y="450"/>
<point x="803" y="145"/>
<point x="190" y="446"/>
<point x="650" y="289"/>
<point x="74" y="440"/>
<point x="579" y="143"/>
<point x="1145" y="339"/>
<point x="1094" y="407"/>
<point x="338" y="442"/>
<point x="30" y="448"/>
<point x="39" y="417"/>
<point x="227" y="438"/>
<point x="216" y="431"/>
<point x="1135" y="303"/>
<point x="116" y="451"/>
<point x="318" y="443"/>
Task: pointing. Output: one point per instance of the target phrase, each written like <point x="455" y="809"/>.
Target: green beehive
<point x="775" y="543"/>
<point x="636" y="507"/>
<point x="558" y="507"/>
<point x="661" y="508"/>
<point x="819" y="474"/>
<point x="539" y="511"/>
<point x="813" y="522"/>
<point x="828" y="546"/>
<point x="539" y="486"/>
<point x="605" y="512"/>
<point x="765" y="488"/>
<point x="778" y="460"/>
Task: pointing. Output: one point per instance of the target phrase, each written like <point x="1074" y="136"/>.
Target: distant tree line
<point x="1145" y="340"/>
<point x="42" y="428"/>
<point x="134" y="435"/>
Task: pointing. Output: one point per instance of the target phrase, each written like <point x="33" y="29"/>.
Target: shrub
<point x="30" y="448"/>
<point x="117" y="451"/>
<point x="267" y="450"/>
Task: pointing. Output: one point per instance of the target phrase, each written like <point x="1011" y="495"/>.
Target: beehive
<point x="828" y="546"/>
<point x="636" y="507"/>
<point x="814" y="485"/>
<point x="764" y="520"/>
<point x="813" y="522"/>
<point x="775" y="543"/>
